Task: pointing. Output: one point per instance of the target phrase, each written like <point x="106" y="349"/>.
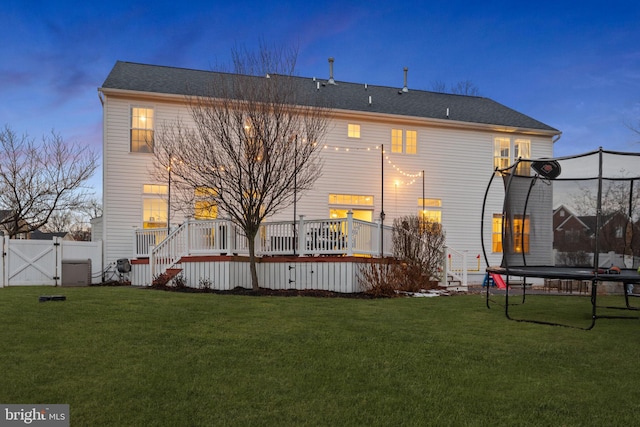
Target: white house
<point x="440" y="150"/>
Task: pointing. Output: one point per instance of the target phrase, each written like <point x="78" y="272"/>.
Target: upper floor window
<point x="142" y="130"/>
<point x="408" y="144"/>
<point x="353" y="130"/>
<point x="254" y="147"/>
<point x="522" y="150"/>
<point x="411" y="141"/>
<point x="501" y="153"/>
<point x="396" y="140"/>
<point x="506" y="151"/>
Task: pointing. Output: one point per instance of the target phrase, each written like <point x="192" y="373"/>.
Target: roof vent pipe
<point x="369" y="99"/>
<point x="405" y="88"/>
<point x="331" y="81"/>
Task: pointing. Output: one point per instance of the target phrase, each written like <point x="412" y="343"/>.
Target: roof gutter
<point x="100" y="96"/>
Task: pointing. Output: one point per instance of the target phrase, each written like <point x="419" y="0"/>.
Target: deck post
<point x="187" y="239"/>
<point x="152" y="262"/>
<point x="350" y="236"/>
<point x="464" y="268"/>
<point x="445" y="267"/>
<point x="301" y="237"/>
<point x="233" y="237"/>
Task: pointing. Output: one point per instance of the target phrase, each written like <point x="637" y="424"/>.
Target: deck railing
<point x="305" y="237"/>
<point x="340" y="236"/>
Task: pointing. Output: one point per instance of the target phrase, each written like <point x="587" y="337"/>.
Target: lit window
<point x="154" y="206"/>
<point x="412" y="142"/>
<point x="520" y="234"/>
<point x="431" y="215"/>
<point x="361" y="214"/>
<point x="432" y="203"/>
<point x="353" y="130"/>
<point x="521" y="149"/>
<point x="496" y="239"/>
<point x="254" y="146"/>
<point x="142" y="130"/>
<point x="154" y="213"/>
<point x="353" y="203"/>
<point x="396" y="140"/>
<point x="154" y="189"/>
<point x="501" y="153"/>
<point x="205" y="206"/>
<point x="350" y="199"/>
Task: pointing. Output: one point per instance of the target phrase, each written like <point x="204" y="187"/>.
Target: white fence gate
<point x="39" y="262"/>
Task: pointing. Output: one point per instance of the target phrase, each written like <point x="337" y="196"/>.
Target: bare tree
<point x="619" y="208"/>
<point x="465" y="87"/>
<point x="92" y="208"/>
<point x="254" y="144"/>
<point x="38" y="179"/>
<point x="74" y="223"/>
<point x="621" y="196"/>
<point x="439" y="86"/>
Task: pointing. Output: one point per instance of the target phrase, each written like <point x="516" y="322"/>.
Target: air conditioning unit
<point x="76" y="272"/>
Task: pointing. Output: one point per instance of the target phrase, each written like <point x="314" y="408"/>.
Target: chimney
<point x="331" y="81"/>
<point x="405" y="88"/>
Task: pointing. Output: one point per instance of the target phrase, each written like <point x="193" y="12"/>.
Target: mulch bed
<point x="270" y="292"/>
<point x="317" y="293"/>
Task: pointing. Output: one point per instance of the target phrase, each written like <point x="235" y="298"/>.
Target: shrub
<point x="418" y="248"/>
<point x="205" y="283"/>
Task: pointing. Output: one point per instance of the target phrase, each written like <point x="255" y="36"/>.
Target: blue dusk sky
<point x="572" y="65"/>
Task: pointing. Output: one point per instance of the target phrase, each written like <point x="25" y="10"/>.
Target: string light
<point x="411" y="176"/>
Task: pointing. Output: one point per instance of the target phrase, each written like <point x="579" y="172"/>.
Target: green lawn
<point x="133" y="357"/>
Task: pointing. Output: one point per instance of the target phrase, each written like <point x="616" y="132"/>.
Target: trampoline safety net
<point x="578" y="211"/>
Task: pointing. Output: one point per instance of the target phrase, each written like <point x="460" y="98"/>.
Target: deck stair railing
<point x="193" y="237"/>
<point x="455" y="265"/>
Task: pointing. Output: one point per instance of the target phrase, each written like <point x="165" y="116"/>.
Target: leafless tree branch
<point x="38" y="179"/>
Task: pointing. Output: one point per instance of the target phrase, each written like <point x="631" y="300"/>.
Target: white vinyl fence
<point x="47" y="262"/>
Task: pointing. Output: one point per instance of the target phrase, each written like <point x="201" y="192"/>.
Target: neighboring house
<point x="5" y="216"/>
<point x="455" y="140"/>
<point x="570" y="233"/>
<point x="573" y="233"/>
<point x="42" y="235"/>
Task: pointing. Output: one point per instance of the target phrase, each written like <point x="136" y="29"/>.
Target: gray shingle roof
<point x="342" y="95"/>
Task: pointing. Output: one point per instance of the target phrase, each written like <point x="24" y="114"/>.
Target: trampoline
<point x="566" y="218"/>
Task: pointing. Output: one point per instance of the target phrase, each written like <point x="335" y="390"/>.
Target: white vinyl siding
<point x="457" y="164"/>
